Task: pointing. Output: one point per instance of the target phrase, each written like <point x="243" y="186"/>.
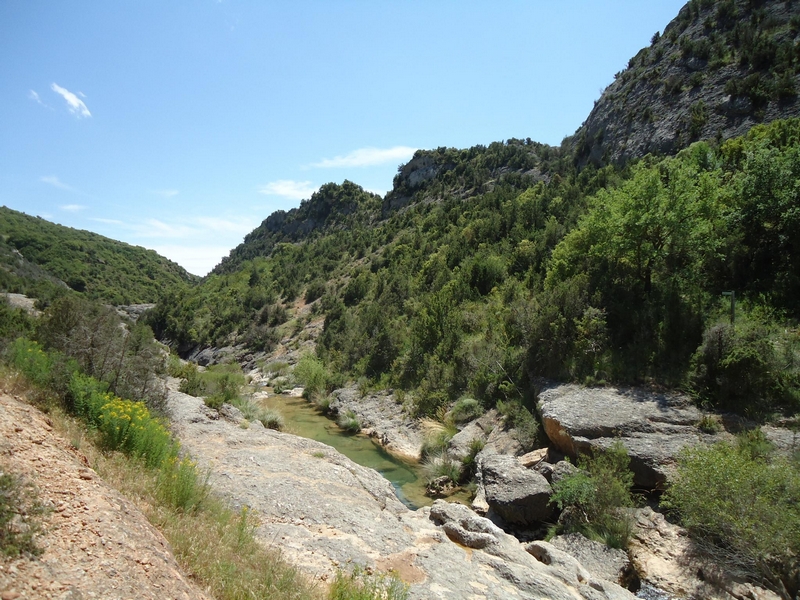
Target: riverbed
<point x="303" y="419"/>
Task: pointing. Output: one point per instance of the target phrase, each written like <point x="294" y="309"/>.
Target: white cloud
<point x="56" y="182"/>
<point x="215" y="224"/>
<point x="165" y="193"/>
<point x="107" y="221"/>
<point x="75" y="105"/>
<point x="367" y="157"/>
<point x="73" y="207"/>
<point x="297" y="190"/>
<point x="35" y="97"/>
<point x="156" y="228"/>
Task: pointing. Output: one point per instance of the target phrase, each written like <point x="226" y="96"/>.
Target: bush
<point x="465" y="409"/>
<point x="191" y="381"/>
<point x="349" y="422"/>
<point x="599" y="493"/>
<point x="468" y="464"/>
<point x="439" y="464"/>
<point x="520" y="418"/>
<point x="359" y="585"/>
<point x="752" y="368"/>
<point x="223" y="384"/>
<point x="312" y="374"/>
<point x="741" y="502"/>
<point x="437" y="437"/>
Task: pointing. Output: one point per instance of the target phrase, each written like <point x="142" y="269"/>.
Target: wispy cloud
<point x="73" y="207"/>
<point x="75" y="105"/>
<point x="367" y="157"/>
<point x="35" y="97"/>
<point x="165" y="193"/>
<point x="56" y="182"/>
<point x="156" y="228"/>
<point x="217" y="225"/>
<point x="107" y="221"/>
<point x="297" y="190"/>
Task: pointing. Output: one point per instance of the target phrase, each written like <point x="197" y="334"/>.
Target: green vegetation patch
<point x="98" y="267"/>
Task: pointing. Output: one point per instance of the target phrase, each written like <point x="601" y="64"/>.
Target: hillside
<point x="718" y="69"/>
<point x="484" y="269"/>
<point x="42" y="259"/>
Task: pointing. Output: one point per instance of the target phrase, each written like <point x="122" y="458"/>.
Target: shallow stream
<point x="303" y="419"/>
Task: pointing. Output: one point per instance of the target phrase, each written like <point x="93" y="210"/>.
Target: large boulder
<point x="611" y="564"/>
<point x="518" y="495"/>
<point x="653" y="427"/>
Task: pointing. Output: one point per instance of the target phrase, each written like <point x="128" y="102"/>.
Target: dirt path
<point x="96" y="543"/>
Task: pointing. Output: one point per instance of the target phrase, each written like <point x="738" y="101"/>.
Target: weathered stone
<point x="519" y="495"/>
<point x="653" y="427"/>
<point x="665" y="558"/>
<point x="601" y="561"/>
<point x="459" y="445"/>
<point x="562" y="469"/>
<point x="465" y="527"/>
<point x="533" y="458"/>
<point x="383" y="419"/>
<point x="571" y="572"/>
<point x="325" y="511"/>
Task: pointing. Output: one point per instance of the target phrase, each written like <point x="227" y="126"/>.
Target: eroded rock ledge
<point x="324" y="511"/>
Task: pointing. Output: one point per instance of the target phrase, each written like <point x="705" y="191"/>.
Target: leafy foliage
<point x="597" y="495"/>
<point x="98" y="267"/>
<point x="478" y="286"/>
<point x="741" y="501"/>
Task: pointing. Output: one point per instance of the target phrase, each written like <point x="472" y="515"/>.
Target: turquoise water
<point x="303" y="419"/>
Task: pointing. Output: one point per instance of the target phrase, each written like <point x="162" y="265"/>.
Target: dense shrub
<point x="311" y="372"/>
<point x="597" y="495"/>
<point x="742" y="502"/>
<point x="123" y="425"/>
<point x="752" y="367"/>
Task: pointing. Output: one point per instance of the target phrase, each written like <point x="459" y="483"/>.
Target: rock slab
<point x="518" y="495"/>
<point x="653" y="427"/>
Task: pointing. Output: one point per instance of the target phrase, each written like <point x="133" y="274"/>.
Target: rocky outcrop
<point x="611" y="564"/>
<point x="684" y="88"/>
<point x="488" y="428"/>
<point x="571" y="571"/>
<point x="666" y="559"/>
<point x="518" y="495"/>
<point x="325" y="512"/>
<point x="653" y="427"/>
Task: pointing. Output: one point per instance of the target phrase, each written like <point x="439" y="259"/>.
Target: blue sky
<point x="180" y="126"/>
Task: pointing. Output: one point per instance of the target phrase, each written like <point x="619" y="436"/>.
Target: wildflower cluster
<point x="123" y="425"/>
<point x="128" y="426"/>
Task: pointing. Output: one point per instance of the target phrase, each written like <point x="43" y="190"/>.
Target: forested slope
<point x="38" y="255"/>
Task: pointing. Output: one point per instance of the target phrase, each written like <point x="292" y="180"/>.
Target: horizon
<point x="181" y="128"/>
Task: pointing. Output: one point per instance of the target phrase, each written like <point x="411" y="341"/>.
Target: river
<point x="303" y="419"/>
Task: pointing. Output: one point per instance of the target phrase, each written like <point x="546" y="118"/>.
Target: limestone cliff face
<point x="718" y="69"/>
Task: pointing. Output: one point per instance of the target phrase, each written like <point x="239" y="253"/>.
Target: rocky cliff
<point x="718" y="69"/>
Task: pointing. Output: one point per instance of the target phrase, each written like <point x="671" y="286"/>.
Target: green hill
<point x="486" y="268"/>
<point x="43" y="259"/>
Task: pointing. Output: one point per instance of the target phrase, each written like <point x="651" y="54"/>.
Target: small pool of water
<point x="303" y="419"/>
